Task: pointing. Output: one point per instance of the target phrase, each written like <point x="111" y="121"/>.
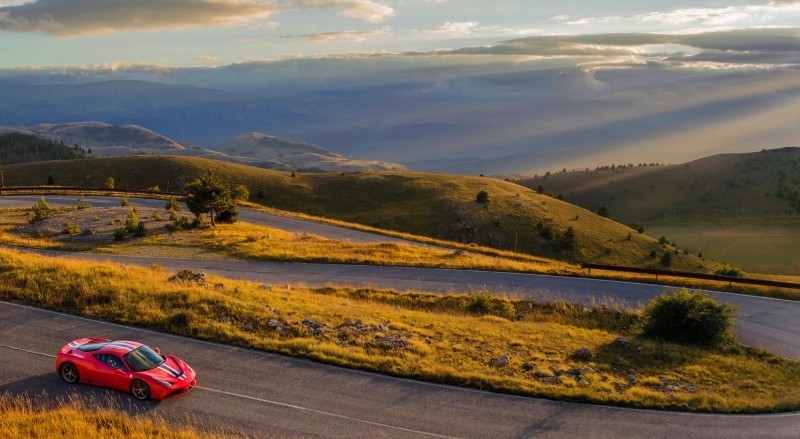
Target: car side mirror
<point x="158" y="351"/>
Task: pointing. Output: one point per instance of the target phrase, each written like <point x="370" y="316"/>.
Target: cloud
<point x="457" y="28"/>
<point x="81" y="17"/>
<point x="353" y="36"/>
<point x="742" y="14"/>
<point x="367" y="10"/>
<point x="87" y="17"/>
<point x="207" y="58"/>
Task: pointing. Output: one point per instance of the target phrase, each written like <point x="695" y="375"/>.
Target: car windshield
<point x="143" y="358"/>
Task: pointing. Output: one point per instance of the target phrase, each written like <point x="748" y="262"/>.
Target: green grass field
<point x="755" y="245"/>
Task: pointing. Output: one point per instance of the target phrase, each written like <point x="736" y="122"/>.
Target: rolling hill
<point x="739" y="208"/>
<point x="284" y="153"/>
<point x="256" y="149"/>
<point x="441" y="206"/>
<point x="759" y="184"/>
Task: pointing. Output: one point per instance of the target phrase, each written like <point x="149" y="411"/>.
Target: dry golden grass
<point x="22" y="416"/>
<point x="447" y="339"/>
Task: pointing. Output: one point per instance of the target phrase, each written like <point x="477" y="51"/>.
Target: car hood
<point x="172" y="370"/>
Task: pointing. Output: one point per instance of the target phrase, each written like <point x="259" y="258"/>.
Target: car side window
<point x="111" y="360"/>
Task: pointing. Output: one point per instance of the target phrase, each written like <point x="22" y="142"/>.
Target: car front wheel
<point x="69" y="373"/>
<point x="140" y="390"/>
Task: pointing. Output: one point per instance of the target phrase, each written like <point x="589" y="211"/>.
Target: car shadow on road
<point x="51" y="388"/>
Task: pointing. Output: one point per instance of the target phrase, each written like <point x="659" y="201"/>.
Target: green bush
<point x="486" y="303"/>
<point x="140" y="230"/>
<point x="41" y="211"/>
<point x="689" y="318"/>
<point x="119" y="234"/>
<point x="132" y="222"/>
<point x="727" y="270"/>
<point x="173" y="205"/>
<point x="71" y="228"/>
<point x="125" y="203"/>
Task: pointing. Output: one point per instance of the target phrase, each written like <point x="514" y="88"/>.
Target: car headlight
<point x="164" y="383"/>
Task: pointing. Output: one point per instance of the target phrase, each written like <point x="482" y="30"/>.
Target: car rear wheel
<point x="140" y="390"/>
<point x="69" y="373"/>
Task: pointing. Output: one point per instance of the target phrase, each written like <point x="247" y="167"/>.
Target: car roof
<point x="120" y="347"/>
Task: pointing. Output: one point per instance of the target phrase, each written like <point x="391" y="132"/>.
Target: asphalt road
<point x="264" y="394"/>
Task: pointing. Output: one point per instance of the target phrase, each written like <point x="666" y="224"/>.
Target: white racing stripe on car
<point x="320" y="412"/>
<point x="277" y="403"/>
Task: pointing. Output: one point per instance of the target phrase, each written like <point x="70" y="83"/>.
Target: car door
<point x="111" y="372"/>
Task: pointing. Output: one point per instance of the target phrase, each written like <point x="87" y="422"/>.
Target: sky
<point x="189" y="33"/>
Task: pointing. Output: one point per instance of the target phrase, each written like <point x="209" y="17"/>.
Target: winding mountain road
<point x="268" y="394"/>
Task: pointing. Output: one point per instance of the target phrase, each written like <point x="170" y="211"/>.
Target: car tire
<point x="140" y="390"/>
<point x="69" y="373"/>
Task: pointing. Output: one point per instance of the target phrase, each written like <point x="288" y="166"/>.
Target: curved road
<point x="268" y="394"/>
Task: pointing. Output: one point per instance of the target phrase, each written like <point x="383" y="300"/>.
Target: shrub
<point x="653" y="254"/>
<point x="485" y="303"/>
<point x="140" y="230"/>
<point x="109" y="183"/>
<point x="604" y="212"/>
<point x="82" y="204"/>
<point x="154" y="189"/>
<point x="666" y="260"/>
<point x="119" y="234"/>
<point x="41" y="211"/>
<point x="727" y="270"/>
<point x="96" y="218"/>
<point x="132" y="222"/>
<point x="173" y="205"/>
<point x="240" y="193"/>
<point x="482" y="197"/>
<point x="125" y="202"/>
<point x="689" y="318"/>
<point x="157" y="216"/>
<point x="70" y="228"/>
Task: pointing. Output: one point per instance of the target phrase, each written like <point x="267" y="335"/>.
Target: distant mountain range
<point x="253" y="148"/>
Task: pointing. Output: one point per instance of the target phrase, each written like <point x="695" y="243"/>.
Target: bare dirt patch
<point x="96" y="224"/>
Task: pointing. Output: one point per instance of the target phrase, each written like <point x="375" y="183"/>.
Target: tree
<point x="209" y="195"/>
<point x="51" y="181"/>
<point x="482" y="197"/>
<point x="569" y="240"/>
<point x="41" y="211"/>
<point x="109" y="183"/>
<point x="662" y="240"/>
<point x="666" y="260"/>
<point x="540" y="190"/>
<point x="604" y="212"/>
<point x="240" y="193"/>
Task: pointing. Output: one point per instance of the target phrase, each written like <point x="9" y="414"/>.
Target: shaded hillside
<point x="442" y="206"/>
<point x="287" y="154"/>
<point x="760" y="184"/>
<point x="22" y="148"/>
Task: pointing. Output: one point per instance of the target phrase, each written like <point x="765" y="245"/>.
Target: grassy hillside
<point x="739" y="208"/>
<point x="756" y="184"/>
<point x="441" y="206"/>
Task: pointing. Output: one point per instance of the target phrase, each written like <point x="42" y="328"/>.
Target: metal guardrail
<point x="685" y="274"/>
<point x="70" y="190"/>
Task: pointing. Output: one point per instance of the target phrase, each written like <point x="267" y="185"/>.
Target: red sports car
<point x="125" y="365"/>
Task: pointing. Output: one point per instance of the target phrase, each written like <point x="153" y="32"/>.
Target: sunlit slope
<point x="760" y="184"/>
<point x="442" y="206"/>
